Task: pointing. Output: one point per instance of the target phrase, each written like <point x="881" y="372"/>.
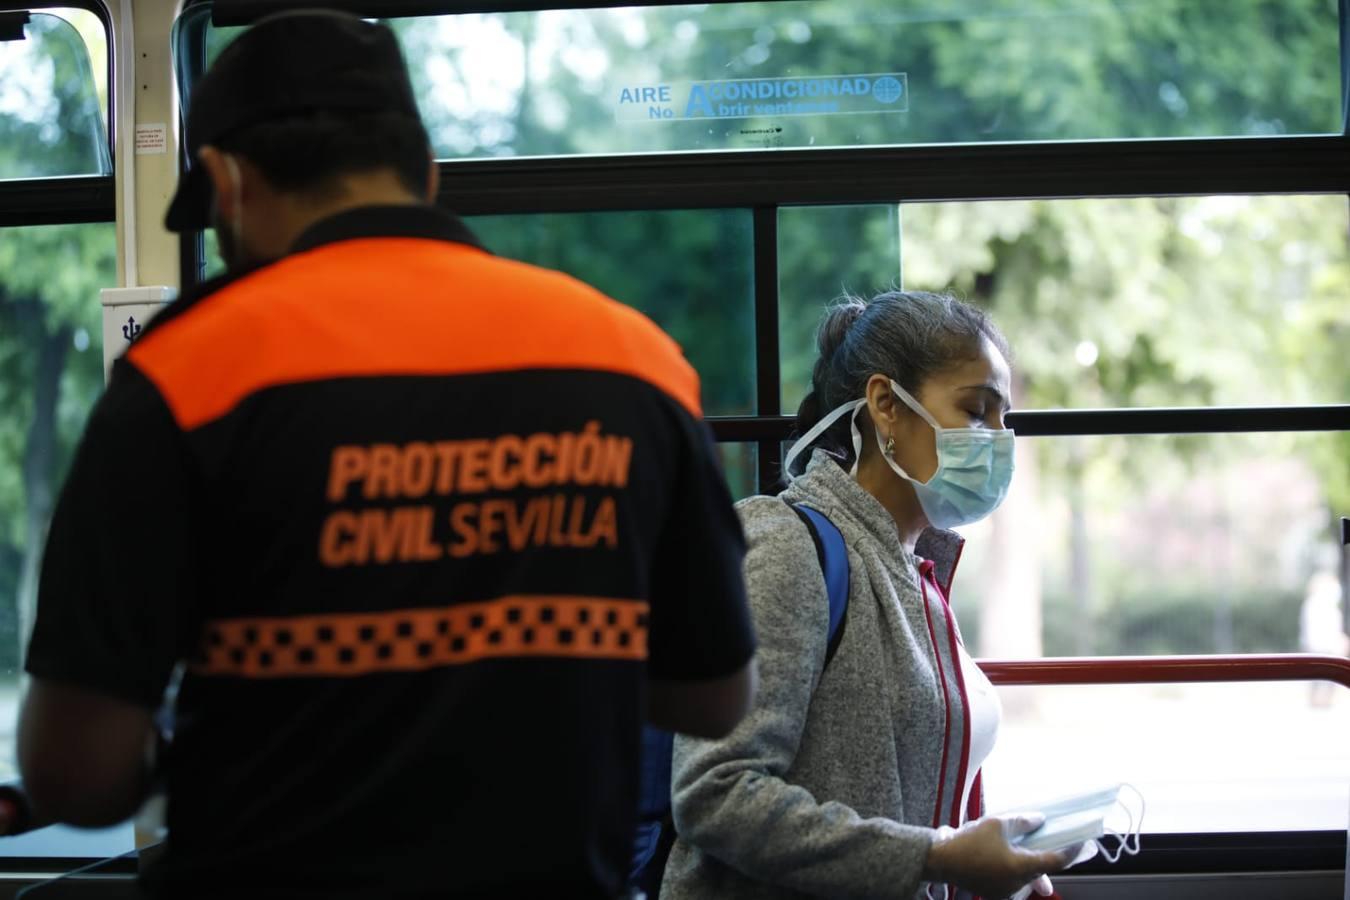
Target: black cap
<point x="287" y="64"/>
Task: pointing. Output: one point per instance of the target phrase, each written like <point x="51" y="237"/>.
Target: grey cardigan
<point x="831" y="785"/>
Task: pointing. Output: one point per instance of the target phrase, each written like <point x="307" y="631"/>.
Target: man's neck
<point x="375" y="189"/>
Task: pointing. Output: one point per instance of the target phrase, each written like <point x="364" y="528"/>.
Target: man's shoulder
<point x="577" y="297"/>
<point x="397" y="306"/>
<point x="555" y="306"/>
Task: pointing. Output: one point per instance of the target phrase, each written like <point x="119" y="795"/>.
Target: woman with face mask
<point x="859" y="778"/>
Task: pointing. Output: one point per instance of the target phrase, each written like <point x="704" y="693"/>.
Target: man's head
<point x="304" y="115"/>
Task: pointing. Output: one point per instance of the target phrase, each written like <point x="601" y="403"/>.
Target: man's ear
<point x="433" y="178"/>
<point x="222" y="180"/>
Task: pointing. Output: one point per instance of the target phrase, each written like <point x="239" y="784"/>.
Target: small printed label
<point x="743" y="98"/>
<point x="152" y="139"/>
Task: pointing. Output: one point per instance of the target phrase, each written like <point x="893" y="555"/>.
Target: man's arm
<point x="83" y="755"/>
<point x="707" y="708"/>
<point x="111" y="623"/>
<point x="701" y="667"/>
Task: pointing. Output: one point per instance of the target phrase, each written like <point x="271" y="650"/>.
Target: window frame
<point x="72" y="199"/>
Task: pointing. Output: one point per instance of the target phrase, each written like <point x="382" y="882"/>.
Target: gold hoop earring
<point x="890" y="446"/>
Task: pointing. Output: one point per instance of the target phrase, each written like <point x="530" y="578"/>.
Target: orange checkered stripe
<point x="410" y="640"/>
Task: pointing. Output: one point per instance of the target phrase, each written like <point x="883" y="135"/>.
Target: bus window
<point x="849" y="73"/>
<point x="824" y="252"/>
<point x="1172" y="301"/>
<point x="1144" y="544"/>
<point x="1115" y="545"/>
<point x="51" y="372"/>
<point x="53" y="98"/>
<point x="1183" y="301"/>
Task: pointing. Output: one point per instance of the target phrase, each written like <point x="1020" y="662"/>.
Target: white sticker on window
<point x="740" y="98"/>
<point x="152" y="139"/>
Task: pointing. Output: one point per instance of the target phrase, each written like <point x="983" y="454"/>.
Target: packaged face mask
<point x="1081" y="819"/>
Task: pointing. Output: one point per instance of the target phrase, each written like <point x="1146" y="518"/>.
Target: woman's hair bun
<point x="834" y="328"/>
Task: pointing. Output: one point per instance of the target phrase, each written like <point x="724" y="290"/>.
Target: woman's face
<point x="974" y="393"/>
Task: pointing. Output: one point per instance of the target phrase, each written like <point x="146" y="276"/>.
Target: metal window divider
<point x="767" y="363"/>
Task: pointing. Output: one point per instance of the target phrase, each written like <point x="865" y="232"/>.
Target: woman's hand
<point x="979" y="857"/>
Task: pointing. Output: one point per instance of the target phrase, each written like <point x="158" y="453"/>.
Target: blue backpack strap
<point x="651" y="842"/>
<point x="833" y="555"/>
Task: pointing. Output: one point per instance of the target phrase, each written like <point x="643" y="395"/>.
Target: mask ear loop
<point x="928" y="892"/>
<point x="817" y="430"/>
<point x="1135" y="829"/>
<point x="857" y="440"/>
<point x="908" y="399"/>
<point x="1138" y="828"/>
<point x="915" y="405"/>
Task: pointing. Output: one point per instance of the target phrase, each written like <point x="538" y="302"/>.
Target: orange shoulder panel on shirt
<point x="397" y="306"/>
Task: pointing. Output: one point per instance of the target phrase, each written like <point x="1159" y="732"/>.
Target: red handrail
<point x="1167" y="669"/>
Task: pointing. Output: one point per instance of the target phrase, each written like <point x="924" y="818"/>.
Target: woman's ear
<point x="881" y="403"/>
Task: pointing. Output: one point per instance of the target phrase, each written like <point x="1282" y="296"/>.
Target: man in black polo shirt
<point x="427" y="529"/>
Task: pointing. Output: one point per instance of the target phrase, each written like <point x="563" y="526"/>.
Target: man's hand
<point x="82" y="754"/>
<point x="15" y="816"/>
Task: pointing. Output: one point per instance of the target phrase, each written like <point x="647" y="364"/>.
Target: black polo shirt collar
<point x="403" y="221"/>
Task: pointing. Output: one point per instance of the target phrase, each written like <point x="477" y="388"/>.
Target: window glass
<point x="1184" y="301"/>
<point x="212" y="265"/>
<point x="51" y="372"/>
<point x="689" y="270"/>
<point x="1176" y="301"/>
<point x="95" y="36"/>
<point x="53" y="98"/>
<point x="217" y="39"/>
<point x="1207" y="757"/>
<point x="871" y="72"/>
<point x="739" y="463"/>
<point x="1160" y="544"/>
<point x="825" y="252"/>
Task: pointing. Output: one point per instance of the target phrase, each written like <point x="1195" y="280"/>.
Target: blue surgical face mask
<point x="975" y="465"/>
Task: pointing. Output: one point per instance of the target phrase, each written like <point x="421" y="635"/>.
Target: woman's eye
<point x="975" y="415"/>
